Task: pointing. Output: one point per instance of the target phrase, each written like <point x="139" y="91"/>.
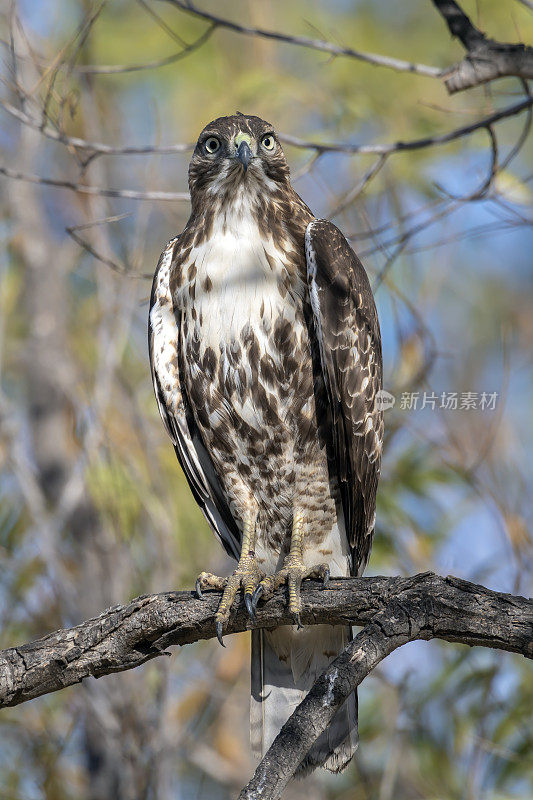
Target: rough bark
<point x="124" y="637"/>
<point x="316" y="711"/>
<point x="425" y="607"/>
<point x="486" y="59"/>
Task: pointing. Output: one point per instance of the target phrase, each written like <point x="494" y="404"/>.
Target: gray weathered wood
<point x="423" y="607"/>
<point x="125" y="636"/>
<point x="486" y="59"/>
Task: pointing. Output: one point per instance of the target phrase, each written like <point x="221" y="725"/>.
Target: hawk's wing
<point x="164" y="331"/>
<point x="347" y="328"/>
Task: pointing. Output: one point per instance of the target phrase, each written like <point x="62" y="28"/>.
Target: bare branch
<point x="481" y="192"/>
<point x="522" y="139"/>
<point x="314" y="44"/>
<point x="486" y="58"/>
<point x="353" y="193"/>
<point x="100" y="191"/>
<point x="320" y="147"/>
<point x="125" y="636"/>
<point x="318" y="708"/>
<point x="96" y="147"/>
<point x="459" y="24"/>
<point x="116" y="69"/>
<point x="119" y="268"/>
<point x="426" y="607"/>
<point x="414" y="144"/>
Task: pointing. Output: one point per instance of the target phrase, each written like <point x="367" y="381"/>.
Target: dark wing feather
<point x="164" y="332"/>
<point x="347" y="328"/>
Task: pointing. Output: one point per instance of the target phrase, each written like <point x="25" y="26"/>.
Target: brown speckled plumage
<point x="266" y="357"/>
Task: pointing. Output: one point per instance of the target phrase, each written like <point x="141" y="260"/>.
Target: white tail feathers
<point x="285" y="664"/>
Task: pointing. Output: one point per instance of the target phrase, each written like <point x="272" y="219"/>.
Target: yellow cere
<point x="243" y="137"/>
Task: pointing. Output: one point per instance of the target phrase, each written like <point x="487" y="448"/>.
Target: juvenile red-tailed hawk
<point x="266" y="360"/>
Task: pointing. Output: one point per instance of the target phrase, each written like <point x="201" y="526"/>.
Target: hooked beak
<point x="244" y="154"/>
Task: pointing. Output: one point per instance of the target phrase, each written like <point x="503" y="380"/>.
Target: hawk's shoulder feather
<point x="347" y="329"/>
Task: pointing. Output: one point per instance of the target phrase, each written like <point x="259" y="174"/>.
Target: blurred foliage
<point x="437" y="722"/>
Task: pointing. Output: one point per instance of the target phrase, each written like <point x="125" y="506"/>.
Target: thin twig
<point x="525" y="131"/>
<point x="99" y="191"/>
<point x="359" y="187"/>
<point x="413" y="144"/>
<point x="401" y="242"/>
<point x="481" y="192"/>
<point x="314" y="44"/>
<point x="119" y="268"/>
<point x="120" y="69"/>
<point x="95" y="147"/>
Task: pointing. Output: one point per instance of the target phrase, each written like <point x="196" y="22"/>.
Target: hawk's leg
<point x="247" y="576"/>
<point x="293" y="571"/>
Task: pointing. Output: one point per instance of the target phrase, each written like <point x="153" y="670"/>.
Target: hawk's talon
<point x="219" y="627"/>
<point x="248" y="602"/>
<point x="198" y="589"/>
<point x="258" y="593"/>
<point x="246" y="577"/>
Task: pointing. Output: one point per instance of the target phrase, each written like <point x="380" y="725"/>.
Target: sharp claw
<point x="258" y="593"/>
<point x="198" y="589"/>
<point x="298" y="621"/>
<point x="248" y="602"/>
<point x="219" y="627"/>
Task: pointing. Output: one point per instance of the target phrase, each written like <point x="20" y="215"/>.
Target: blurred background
<point x="94" y="509"/>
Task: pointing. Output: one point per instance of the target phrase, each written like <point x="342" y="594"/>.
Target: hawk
<point x="265" y="352"/>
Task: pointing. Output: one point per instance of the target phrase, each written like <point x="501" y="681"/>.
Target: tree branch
<point x="486" y="59"/>
<point x="124" y="637"/>
<point x="117" y="69"/>
<point x="425" y="607"/>
<point x="99" y="148"/>
<point x="412" y="144"/>
<point x="396" y="64"/>
<point x="99" y="191"/>
<point x="318" y="708"/>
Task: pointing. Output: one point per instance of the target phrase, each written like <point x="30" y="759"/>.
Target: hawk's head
<point x="237" y="151"/>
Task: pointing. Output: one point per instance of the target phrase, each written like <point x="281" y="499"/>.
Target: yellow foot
<point x="247" y="577"/>
<point x="292" y="573"/>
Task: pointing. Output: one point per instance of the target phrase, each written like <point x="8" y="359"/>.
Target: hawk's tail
<point x="285" y="664"/>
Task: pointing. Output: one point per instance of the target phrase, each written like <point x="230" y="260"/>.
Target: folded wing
<point x="347" y="327"/>
<point x="164" y="331"/>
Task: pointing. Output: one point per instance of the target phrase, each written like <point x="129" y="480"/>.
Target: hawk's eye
<point x="212" y="144"/>
<point x="268" y="142"/>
